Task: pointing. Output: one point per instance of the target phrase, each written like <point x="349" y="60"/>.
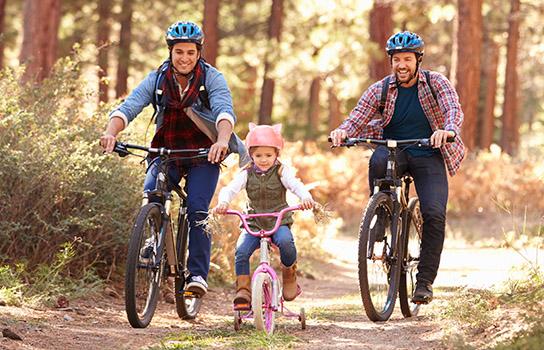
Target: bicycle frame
<point x="264" y="264"/>
<point x="162" y="239"/>
<point x="390" y="193"/>
<point x="266" y="241"/>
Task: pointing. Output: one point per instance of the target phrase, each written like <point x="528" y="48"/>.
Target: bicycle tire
<point x="375" y="308"/>
<point x="411" y="246"/>
<point x="187" y="306"/>
<point x="261" y="303"/>
<point x="150" y="214"/>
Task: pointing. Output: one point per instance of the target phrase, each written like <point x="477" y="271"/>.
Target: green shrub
<point x="56" y="184"/>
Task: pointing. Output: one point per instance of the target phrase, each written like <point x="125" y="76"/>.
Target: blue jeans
<point x="431" y="182"/>
<point x="200" y="184"/>
<point x="247" y="244"/>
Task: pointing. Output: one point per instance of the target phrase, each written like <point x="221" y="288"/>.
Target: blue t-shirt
<point x="409" y="122"/>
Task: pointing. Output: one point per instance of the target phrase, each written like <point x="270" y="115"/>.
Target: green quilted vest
<point x="266" y="195"/>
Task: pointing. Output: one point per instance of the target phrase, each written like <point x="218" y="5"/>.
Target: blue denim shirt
<point x="206" y="119"/>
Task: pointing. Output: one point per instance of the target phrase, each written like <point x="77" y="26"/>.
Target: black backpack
<point x="157" y="92"/>
<point x="385" y="89"/>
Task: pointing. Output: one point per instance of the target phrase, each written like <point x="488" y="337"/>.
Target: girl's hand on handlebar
<point x="307" y="204"/>
<point x="221" y="208"/>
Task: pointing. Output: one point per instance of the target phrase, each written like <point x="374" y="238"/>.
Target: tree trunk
<point x="40" y="38"/>
<point x="211" y="31"/>
<point x="124" y="49"/>
<point x="2" y="38"/>
<point x="102" y="43"/>
<point x="468" y="78"/>
<point x="381" y="27"/>
<point x="313" y="109"/>
<point x="335" y="115"/>
<point x="274" y="35"/>
<point x="510" y="119"/>
<point x="490" y="76"/>
<point x="454" y="50"/>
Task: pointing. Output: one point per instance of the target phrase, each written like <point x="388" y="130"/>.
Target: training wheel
<point x="237" y="320"/>
<point x="302" y="318"/>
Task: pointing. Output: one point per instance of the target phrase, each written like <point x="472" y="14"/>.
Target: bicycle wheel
<point x="261" y="303"/>
<point x="378" y="268"/>
<point x="187" y="304"/>
<point x="412" y="246"/>
<point x="142" y="279"/>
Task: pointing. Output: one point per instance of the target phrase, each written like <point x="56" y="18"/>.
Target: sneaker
<point x="197" y="285"/>
<point x="146" y="252"/>
<point x="423" y="293"/>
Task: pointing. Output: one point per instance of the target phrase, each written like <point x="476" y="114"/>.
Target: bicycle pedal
<point x="242" y="307"/>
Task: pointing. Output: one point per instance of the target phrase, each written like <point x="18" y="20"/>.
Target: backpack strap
<point x="428" y="77"/>
<point x="203" y="93"/>
<point x="385" y="90"/>
<point x="157" y="91"/>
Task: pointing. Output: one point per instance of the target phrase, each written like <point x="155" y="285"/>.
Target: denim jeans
<point x="247" y="244"/>
<point x="431" y="181"/>
<point x="200" y="184"/>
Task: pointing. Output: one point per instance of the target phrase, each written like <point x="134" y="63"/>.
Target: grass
<point x="246" y="338"/>
<point x="348" y="306"/>
<point x="45" y="283"/>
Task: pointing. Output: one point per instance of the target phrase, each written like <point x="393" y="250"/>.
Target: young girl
<point x="265" y="180"/>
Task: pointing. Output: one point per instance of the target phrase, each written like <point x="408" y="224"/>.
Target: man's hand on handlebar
<point x="107" y="142"/>
<point x="338" y="136"/>
<point x="440" y="137"/>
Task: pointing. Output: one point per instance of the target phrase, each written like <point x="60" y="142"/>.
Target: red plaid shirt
<point x="365" y="119"/>
<point x="178" y="131"/>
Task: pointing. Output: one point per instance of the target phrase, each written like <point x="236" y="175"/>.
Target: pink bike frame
<point x="264" y="266"/>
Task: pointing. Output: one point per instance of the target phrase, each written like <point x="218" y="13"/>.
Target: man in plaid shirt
<point x="418" y="105"/>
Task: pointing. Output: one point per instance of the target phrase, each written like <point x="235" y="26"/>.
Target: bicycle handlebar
<point x="122" y="149"/>
<point x="277" y="215"/>
<point x="352" y="141"/>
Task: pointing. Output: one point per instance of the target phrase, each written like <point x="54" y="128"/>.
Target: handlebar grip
<point x="121" y="149"/>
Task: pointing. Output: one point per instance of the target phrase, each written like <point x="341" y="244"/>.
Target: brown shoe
<point x="242" y="300"/>
<point x="290" y="287"/>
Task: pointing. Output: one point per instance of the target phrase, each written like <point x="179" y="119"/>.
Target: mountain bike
<point x="158" y="246"/>
<point x="389" y="238"/>
<point x="266" y="291"/>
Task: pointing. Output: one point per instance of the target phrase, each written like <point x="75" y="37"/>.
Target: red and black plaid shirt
<point x="178" y="131"/>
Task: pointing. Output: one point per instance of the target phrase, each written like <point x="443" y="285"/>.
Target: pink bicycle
<point x="266" y="290"/>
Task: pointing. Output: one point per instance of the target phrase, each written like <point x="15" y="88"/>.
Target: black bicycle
<point x="389" y="237"/>
<point x="159" y="242"/>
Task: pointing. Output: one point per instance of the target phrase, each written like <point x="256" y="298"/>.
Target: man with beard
<point x="412" y="104"/>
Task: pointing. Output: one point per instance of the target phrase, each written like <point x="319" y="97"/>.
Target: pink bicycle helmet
<point x="264" y="135"/>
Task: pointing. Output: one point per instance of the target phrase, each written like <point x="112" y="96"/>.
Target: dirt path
<point x="335" y="317"/>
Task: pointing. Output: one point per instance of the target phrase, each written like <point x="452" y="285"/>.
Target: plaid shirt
<point x="365" y="119"/>
<point x="178" y="131"/>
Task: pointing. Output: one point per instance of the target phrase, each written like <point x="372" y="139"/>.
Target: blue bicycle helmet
<point x="184" y="32"/>
<point x="405" y="42"/>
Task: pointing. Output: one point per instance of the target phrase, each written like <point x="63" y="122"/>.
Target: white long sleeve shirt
<point x="287" y="178"/>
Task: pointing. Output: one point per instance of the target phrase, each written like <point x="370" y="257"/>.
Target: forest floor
<point x="335" y="317"/>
